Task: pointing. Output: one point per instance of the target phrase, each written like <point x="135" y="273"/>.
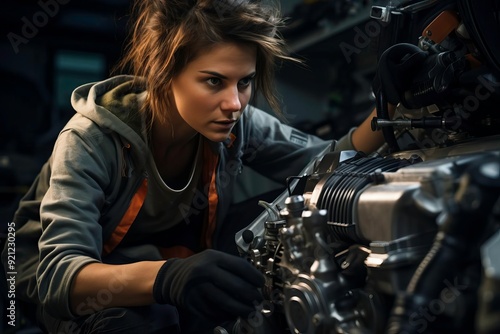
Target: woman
<point x="133" y="199"/>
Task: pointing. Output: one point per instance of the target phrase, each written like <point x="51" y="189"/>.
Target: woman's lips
<point x="226" y="124"/>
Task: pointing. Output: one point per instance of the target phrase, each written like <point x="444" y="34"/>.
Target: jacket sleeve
<point x="277" y="150"/>
<point x="69" y="215"/>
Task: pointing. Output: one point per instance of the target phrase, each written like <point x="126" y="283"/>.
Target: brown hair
<point x="168" y="34"/>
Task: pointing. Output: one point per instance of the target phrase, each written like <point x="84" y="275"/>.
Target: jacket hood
<point x="114" y="105"/>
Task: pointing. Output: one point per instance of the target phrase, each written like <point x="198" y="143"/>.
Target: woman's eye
<point x="245" y="82"/>
<point x="213" y="81"/>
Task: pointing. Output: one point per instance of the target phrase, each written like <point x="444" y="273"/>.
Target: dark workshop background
<point x="49" y="47"/>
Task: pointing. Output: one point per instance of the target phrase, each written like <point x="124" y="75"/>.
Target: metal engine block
<point x="372" y="244"/>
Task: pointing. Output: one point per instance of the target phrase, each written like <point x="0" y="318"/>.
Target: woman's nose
<point x="231" y="100"/>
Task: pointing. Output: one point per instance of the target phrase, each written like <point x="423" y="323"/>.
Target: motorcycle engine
<point x="339" y="252"/>
<point x="402" y="240"/>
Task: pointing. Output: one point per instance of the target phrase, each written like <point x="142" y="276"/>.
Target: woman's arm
<point x="364" y="138"/>
<point x="98" y="286"/>
<point x="70" y="275"/>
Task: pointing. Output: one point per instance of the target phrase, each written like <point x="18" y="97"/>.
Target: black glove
<point x="210" y="284"/>
<point x="396" y="70"/>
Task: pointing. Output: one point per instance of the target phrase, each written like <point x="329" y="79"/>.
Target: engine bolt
<point x="317" y="319"/>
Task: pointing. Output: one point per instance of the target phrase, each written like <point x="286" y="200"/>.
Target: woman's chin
<point x="217" y="137"/>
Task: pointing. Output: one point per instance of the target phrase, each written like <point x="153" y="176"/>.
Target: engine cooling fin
<point x="344" y="184"/>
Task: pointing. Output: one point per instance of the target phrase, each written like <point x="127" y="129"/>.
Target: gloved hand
<point x="210" y="284"/>
<point x="396" y="70"/>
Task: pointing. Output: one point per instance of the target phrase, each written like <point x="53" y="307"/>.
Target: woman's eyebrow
<point x="216" y="74"/>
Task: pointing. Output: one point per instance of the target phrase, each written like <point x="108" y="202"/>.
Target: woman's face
<point x="212" y="91"/>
